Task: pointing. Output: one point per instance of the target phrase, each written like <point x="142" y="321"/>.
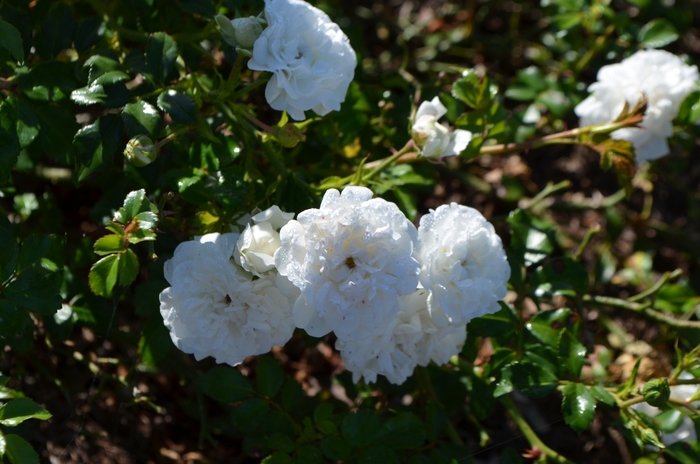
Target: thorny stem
<point x="257" y="122"/>
<point x="550" y="189"/>
<point x="530" y="434"/>
<point x="666" y="277"/>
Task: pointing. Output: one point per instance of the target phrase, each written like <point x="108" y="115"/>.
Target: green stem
<point x="550" y="189"/>
<point x="642" y="309"/>
<point x="249" y="87"/>
<point x="598" y="45"/>
<point x="630" y="402"/>
<point x="592" y="232"/>
<point x="424" y="380"/>
<point x="410" y="145"/>
<point x="666" y="277"/>
<point x="530" y="434"/>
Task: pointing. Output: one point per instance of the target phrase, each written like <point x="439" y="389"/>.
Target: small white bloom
<point x="660" y="76"/>
<point x="463" y="263"/>
<point x="351" y="259"/>
<point x="240" y="32"/>
<point x="258" y="243"/>
<point x="686" y="430"/>
<point x="310" y="57"/>
<point x="413" y="338"/>
<point x="434" y="139"/>
<point x="214" y="308"/>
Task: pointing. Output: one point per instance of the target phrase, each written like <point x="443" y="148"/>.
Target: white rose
<point x="258" y="243"/>
<point x="463" y="263"/>
<point x="434" y="139"/>
<point x="240" y="32"/>
<point x="310" y="58"/>
<point x="213" y="308"/>
<point x="660" y="76"/>
<point x="351" y="259"/>
<point x="686" y="429"/>
<point x="413" y="338"/>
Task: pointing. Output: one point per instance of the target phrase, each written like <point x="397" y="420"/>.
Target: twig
<point x="530" y="434"/>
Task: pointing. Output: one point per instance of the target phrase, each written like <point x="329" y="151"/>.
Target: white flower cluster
<point x="434" y="139"/>
<point x="310" y="57"/>
<point x="395" y="296"/>
<point x="659" y="76"/>
<point x="214" y="306"/>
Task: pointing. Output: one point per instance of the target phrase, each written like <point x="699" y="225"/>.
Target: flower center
<point x="349" y="262"/>
<point x="228" y="299"/>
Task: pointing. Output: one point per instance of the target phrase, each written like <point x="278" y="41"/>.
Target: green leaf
<point x="96" y="144"/>
<point x="533" y="379"/>
<point x="88" y="33"/>
<point x="657" y="33"/>
<point x="100" y="65"/>
<point x="19" y="410"/>
<point x="110" y="244"/>
<point x="103" y="275"/>
<point x="469" y="89"/>
<point x="225" y="384"/>
<point x="111" y="77"/>
<point x="250" y="414"/>
<point x="690" y="109"/>
<point x="546" y="325"/>
<point x="335" y="448"/>
<point x="180" y="107"/>
<point x="17" y="328"/>
<point x="269" y="376"/>
<point x="57" y="30"/>
<point x="603" y="395"/>
<point x="91" y="95"/>
<point x="531" y="238"/>
<point x="141" y="118"/>
<point x="501" y="323"/>
<point x="128" y="267"/>
<point x="18" y="451"/>
<point x="578" y="406"/>
<point x="572" y="353"/>
<point x="11" y="40"/>
<point x="404" y="431"/>
<point x="9" y="151"/>
<point x="280" y="442"/>
<point x="685" y="452"/>
<point x="8" y="258"/>
<point x="669" y="421"/>
<point x="34" y="291"/>
<point x="560" y="276"/>
<point x="309" y="454"/>
<point x="360" y="428"/>
<point x="277" y="458"/>
<point x="34" y="247"/>
<point x="378" y="455"/>
<point x="147" y="220"/>
<point x="57" y="129"/>
<point x="161" y="53"/>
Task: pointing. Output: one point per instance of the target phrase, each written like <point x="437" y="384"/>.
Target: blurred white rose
<point x="660" y="76"/>
<point x="463" y="263"/>
<point x="240" y="32"/>
<point x="434" y="139"/>
<point x="413" y="338"/>
<point x="214" y="308"/>
<point x="352" y="260"/>
<point x="310" y="57"/>
<point x="259" y="241"/>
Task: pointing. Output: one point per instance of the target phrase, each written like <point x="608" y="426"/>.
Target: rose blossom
<point x="257" y="244"/>
<point x="351" y="259"/>
<point x="310" y="58"/>
<point x="413" y="338"/>
<point x="214" y="308"/>
<point x="661" y="77"/>
<point x="434" y="139"/>
<point x="463" y="264"/>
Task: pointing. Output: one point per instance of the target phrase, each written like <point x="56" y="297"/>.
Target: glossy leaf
<point x="269" y="376"/>
<point x="578" y="406"/>
<point x="141" y="118"/>
<point x="18" y="451"/>
<point x="161" y="53"/>
<point x="103" y="275"/>
<point x="657" y="33"/>
<point x="180" y="107"/>
<point x="360" y="428"/>
<point x="224" y="384"/>
<point x="11" y="40"/>
<point x="19" y="410"/>
<point x="571" y="353"/>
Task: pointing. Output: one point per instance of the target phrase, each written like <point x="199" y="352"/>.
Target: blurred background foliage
<point x="79" y="79"/>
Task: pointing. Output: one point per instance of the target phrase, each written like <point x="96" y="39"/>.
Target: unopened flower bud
<point x="289" y="135"/>
<point x="240" y="32"/>
<point x="656" y="392"/>
<point x="140" y="151"/>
